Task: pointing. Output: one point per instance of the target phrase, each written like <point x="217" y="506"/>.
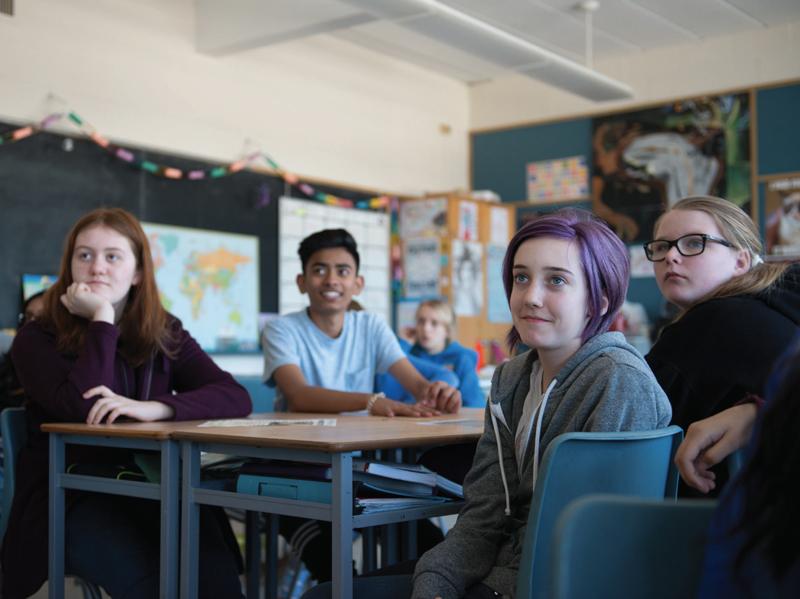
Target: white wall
<point x="321" y="107"/>
<point x="717" y="64"/>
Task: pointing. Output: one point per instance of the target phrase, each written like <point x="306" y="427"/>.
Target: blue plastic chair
<point x="261" y="396"/>
<point x="735" y="463"/>
<point x="14" y="435"/>
<point x="576" y="464"/>
<point x="14" y="431"/>
<point x="611" y="546"/>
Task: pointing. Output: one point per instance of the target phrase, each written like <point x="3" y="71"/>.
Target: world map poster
<point x="210" y="281"/>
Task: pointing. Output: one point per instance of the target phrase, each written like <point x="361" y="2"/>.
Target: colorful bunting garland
<point x="169" y="172"/>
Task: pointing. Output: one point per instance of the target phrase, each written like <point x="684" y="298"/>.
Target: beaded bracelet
<point x="372" y="399"/>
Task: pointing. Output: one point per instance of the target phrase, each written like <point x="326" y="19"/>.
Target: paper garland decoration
<point x="169" y="172"/>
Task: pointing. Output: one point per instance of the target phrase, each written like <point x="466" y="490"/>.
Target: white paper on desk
<point x="270" y="422"/>
<point x="459" y="421"/>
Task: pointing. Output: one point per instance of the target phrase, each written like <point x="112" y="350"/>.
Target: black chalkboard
<point x="49" y="180"/>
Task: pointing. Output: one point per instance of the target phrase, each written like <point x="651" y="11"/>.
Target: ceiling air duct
<point x="473" y="36"/>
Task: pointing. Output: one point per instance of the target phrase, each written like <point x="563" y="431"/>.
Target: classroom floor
<point x="71" y="591"/>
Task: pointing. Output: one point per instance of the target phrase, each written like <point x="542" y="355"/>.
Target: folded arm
<point x="302" y="397"/>
<point x="711" y="440"/>
<point x="436" y="395"/>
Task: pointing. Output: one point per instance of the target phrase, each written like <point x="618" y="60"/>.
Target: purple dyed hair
<point x="603" y="256"/>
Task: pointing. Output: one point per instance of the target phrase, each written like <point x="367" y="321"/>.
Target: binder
<point x="284" y="488"/>
<point x="321" y="491"/>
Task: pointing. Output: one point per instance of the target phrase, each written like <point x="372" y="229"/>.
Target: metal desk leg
<point x="389" y="544"/>
<point x="190" y="524"/>
<point x="369" y="550"/>
<point x="408" y="533"/>
<point x="170" y="518"/>
<point x="342" y="523"/>
<point x="252" y="550"/>
<point x="272" y="556"/>
<point x="56" y="519"/>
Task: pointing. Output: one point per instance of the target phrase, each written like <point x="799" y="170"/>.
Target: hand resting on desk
<point x="384" y="406"/>
<point x="441" y="397"/>
<point x="111" y="406"/>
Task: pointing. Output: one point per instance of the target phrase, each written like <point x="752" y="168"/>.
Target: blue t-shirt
<point x="365" y="347"/>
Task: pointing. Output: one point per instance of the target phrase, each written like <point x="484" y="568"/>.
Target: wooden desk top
<point x="352" y="431"/>
<point x="131" y="430"/>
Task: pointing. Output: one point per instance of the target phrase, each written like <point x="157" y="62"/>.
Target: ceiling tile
<point x="631" y="23"/>
<point x="543" y="25"/>
<point x="708" y="18"/>
<point x="421" y="50"/>
<point x="224" y="27"/>
<point x="769" y="12"/>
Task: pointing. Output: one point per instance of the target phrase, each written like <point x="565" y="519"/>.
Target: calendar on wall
<point x="300" y="218"/>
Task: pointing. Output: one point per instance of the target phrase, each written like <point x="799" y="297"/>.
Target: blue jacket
<point x="462" y="362"/>
<point x="455" y="365"/>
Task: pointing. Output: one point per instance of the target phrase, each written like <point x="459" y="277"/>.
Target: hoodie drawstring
<point x="536" y="441"/>
<point x="502" y="468"/>
<point x="537" y="437"/>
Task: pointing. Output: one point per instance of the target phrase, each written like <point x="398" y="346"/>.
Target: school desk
<point x="136" y="436"/>
<point x="334" y="445"/>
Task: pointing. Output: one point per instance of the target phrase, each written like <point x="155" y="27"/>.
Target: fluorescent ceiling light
<point x="476" y="37"/>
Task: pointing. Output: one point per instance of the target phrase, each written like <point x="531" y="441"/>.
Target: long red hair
<point x="144" y="325"/>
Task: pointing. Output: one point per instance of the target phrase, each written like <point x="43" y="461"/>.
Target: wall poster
<point x="558" y="180"/>
<point x="467" y="278"/>
<point x="645" y="161"/>
<point x="782" y="210"/>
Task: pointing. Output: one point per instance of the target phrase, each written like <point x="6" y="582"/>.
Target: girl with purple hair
<point x="565" y="276"/>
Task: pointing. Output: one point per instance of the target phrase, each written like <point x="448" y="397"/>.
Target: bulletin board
<point x="298" y="219"/>
<point x="492" y="320"/>
<point x="453" y="248"/>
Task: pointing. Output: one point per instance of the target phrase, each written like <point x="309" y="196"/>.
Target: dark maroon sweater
<point x="55" y="383"/>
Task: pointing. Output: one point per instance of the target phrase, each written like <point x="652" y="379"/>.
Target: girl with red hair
<point x="105" y="349"/>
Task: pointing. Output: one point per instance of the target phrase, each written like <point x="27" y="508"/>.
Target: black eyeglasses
<point x="688" y="245"/>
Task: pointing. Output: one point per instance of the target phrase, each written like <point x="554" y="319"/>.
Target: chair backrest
<point x="612" y="546"/>
<point x="14" y="431"/>
<point x="576" y="464"/>
<point x="261" y="396"/>
<point x="735" y="463"/>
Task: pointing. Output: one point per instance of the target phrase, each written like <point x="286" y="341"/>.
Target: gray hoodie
<point x="605" y="386"/>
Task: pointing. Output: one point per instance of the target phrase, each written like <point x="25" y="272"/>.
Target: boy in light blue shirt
<point x="325" y="358"/>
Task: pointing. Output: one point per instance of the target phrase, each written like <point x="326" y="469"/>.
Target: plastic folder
<point x="320" y="492"/>
<point x="284" y="488"/>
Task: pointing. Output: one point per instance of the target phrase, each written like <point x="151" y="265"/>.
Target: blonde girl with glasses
<point x="737" y="314"/>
